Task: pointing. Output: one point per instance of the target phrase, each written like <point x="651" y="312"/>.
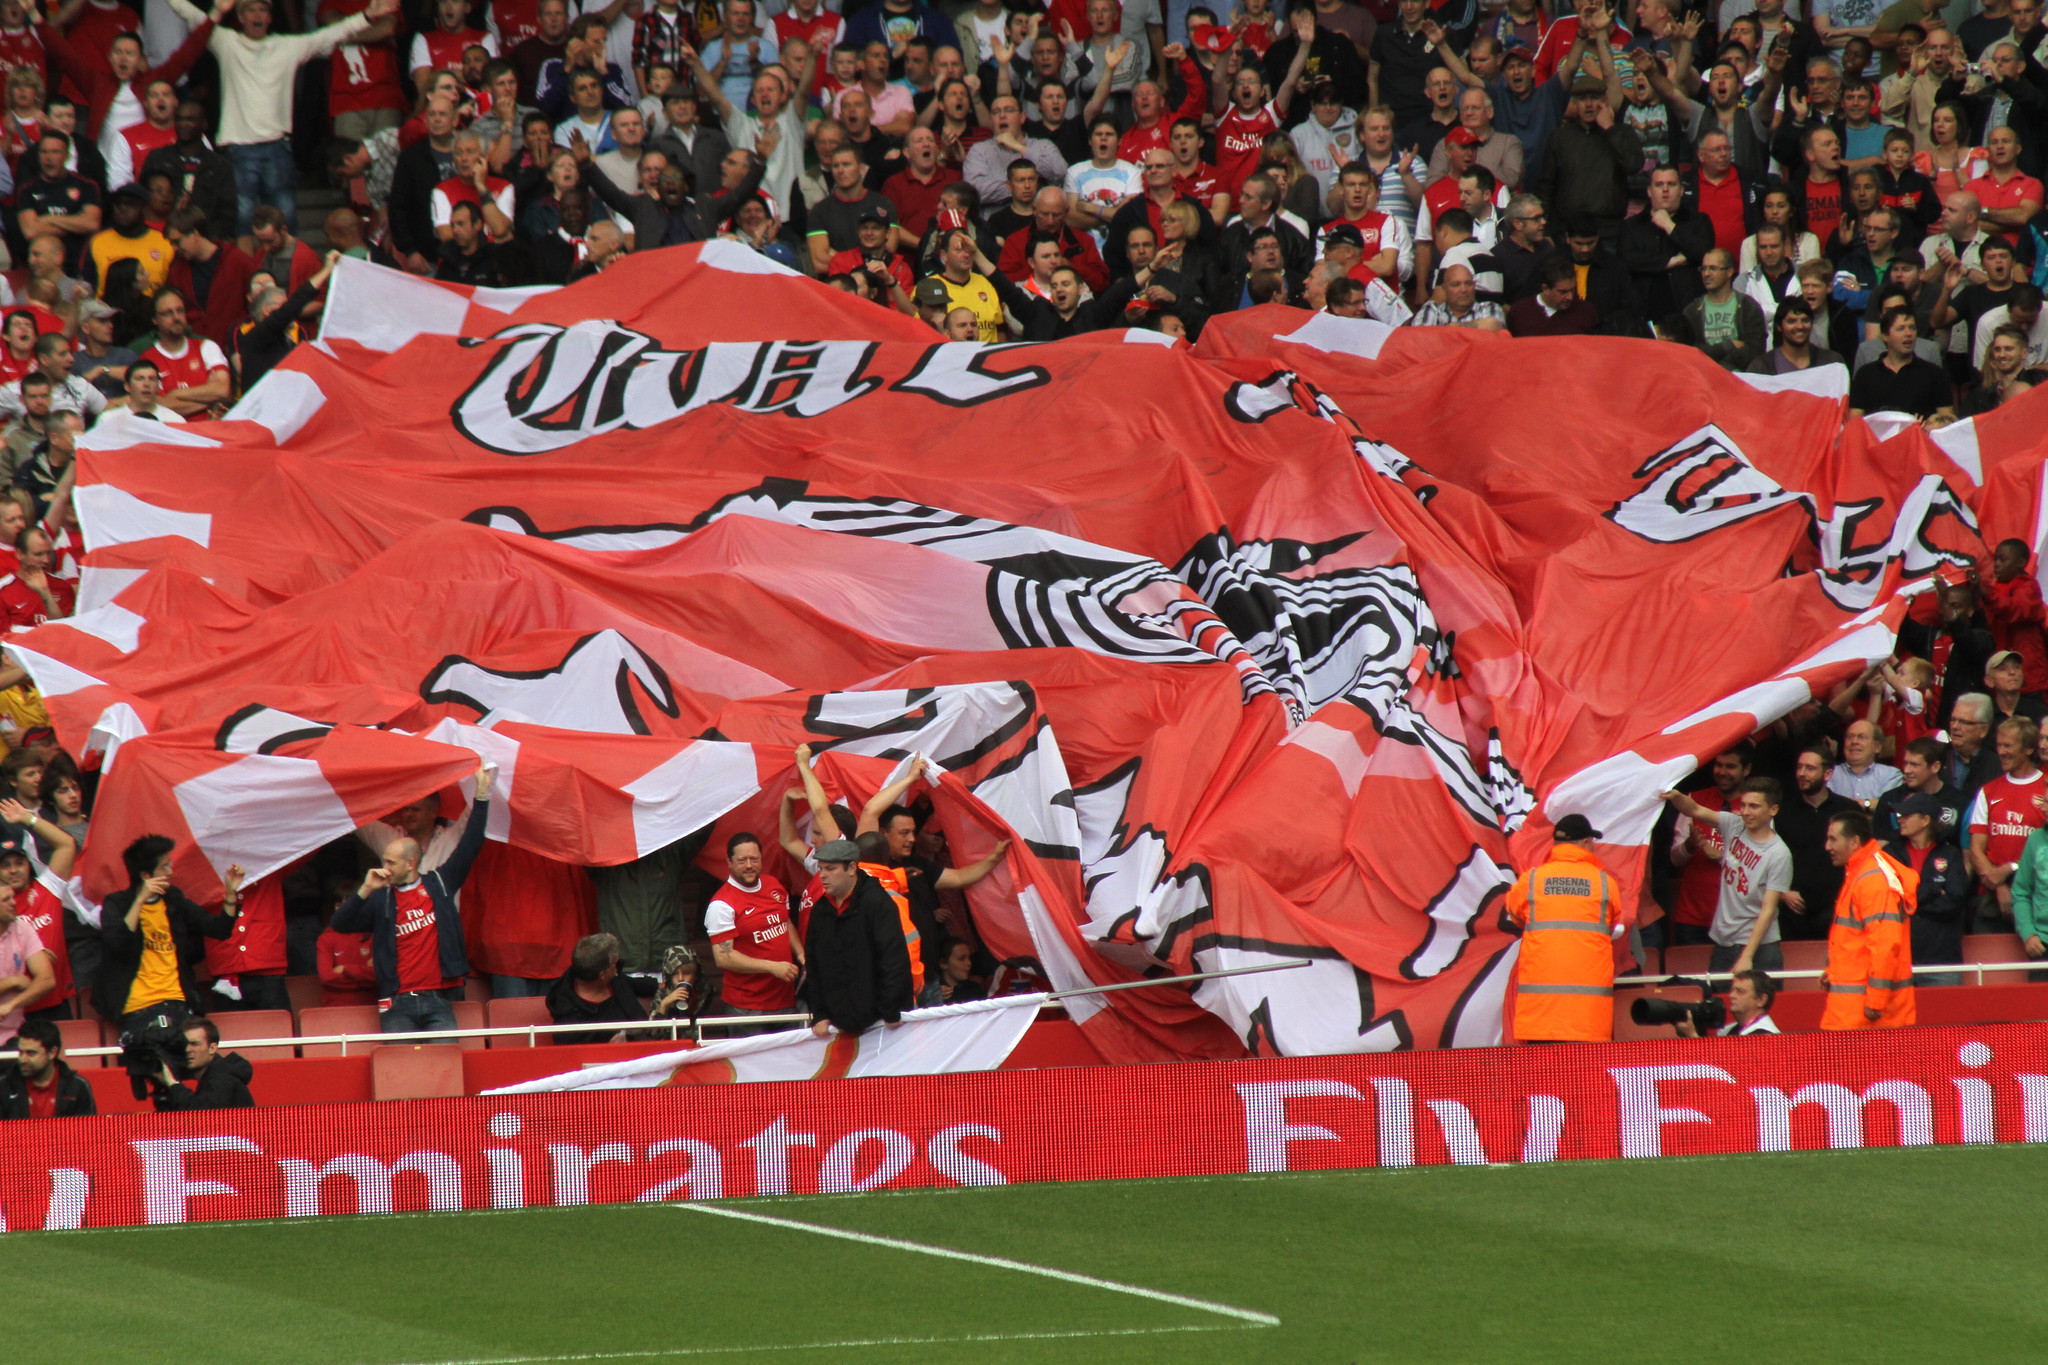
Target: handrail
<point x="1809" y="974"/>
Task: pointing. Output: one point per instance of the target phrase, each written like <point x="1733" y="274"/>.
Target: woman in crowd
<point x="1778" y="210"/>
<point x="1949" y="163"/>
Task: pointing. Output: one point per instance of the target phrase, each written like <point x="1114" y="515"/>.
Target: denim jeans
<point x="1769" y="957"/>
<point x="418" y="1012"/>
<point x="264" y="174"/>
<point x="518" y="987"/>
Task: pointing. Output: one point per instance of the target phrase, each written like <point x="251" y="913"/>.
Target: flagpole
<point x="1288" y="965"/>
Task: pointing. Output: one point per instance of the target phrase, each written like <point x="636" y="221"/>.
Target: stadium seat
<point x="516" y="1012"/>
<point x="1627" y="1030"/>
<point x="1995" y="948"/>
<point x="305" y="992"/>
<point x="470" y="1014"/>
<point x="240" y="1024"/>
<point x="1804" y="955"/>
<point x="81" y="1033"/>
<point x="1687" y="959"/>
<point x="326" y="1019"/>
<point x="404" y="1071"/>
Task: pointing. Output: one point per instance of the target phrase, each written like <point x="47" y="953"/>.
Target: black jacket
<point x="410" y="208"/>
<point x="1521" y="269"/>
<point x="1945" y="892"/>
<point x="74" y="1096"/>
<point x="121" y="947"/>
<point x="203" y="176"/>
<point x="1612" y="296"/>
<point x="378" y="916"/>
<point x="224" y="1086"/>
<point x="703" y="162"/>
<point x="1042" y="321"/>
<point x="567" y="1007"/>
<point x="696" y="221"/>
<point x="269" y="341"/>
<point x="1663" y="289"/>
<point x="858" y="966"/>
<point x="1296" y="253"/>
<point x="1969" y="650"/>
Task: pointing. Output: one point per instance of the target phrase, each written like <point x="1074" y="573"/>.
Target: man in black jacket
<point x="414" y="927"/>
<point x="1969" y="644"/>
<point x="150" y="934"/>
<point x="670" y="216"/>
<point x="859" y="966"/>
<point x="261" y="344"/>
<point x="41" y="1083"/>
<point x="1605" y="282"/>
<point x="203" y="177"/>
<point x="421" y="167"/>
<point x="220" y="1079"/>
<point x="1663" y="248"/>
<point x="593" y="991"/>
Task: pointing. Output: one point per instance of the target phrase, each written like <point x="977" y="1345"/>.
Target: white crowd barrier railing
<point x="1815" y="973"/>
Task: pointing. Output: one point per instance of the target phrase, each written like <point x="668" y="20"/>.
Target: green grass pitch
<point x="1930" y="1254"/>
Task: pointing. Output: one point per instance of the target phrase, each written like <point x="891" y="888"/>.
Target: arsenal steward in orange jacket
<point x="1870" y="946"/>
<point x="1568" y="909"/>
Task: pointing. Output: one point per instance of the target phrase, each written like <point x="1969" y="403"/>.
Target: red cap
<point x="1212" y="37"/>
<point x="1463" y="136"/>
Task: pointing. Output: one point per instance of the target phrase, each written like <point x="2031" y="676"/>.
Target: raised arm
<point x="953" y="878"/>
<point x="1304" y="21"/>
<point x="871" y="813"/>
<point x="823" y="823"/>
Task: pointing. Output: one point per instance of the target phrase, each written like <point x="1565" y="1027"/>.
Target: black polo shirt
<point x="1920" y="388"/>
<point x="1405" y="59"/>
<point x="50" y="198"/>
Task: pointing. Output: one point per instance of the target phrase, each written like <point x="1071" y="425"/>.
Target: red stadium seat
<point x="305" y="992"/>
<point x="1804" y="955"/>
<point x="255" y="1024"/>
<point x="518" y="1011"/>
<point x="404" y="1071"/>
<point x="470" y="1014"/>
<point x="327" y="1019"/>
<point x="81" y="1033"/>
<point x="1999" y="948"/>
<point x="1688" y="959"/>
<point x="1627" y="1030"/>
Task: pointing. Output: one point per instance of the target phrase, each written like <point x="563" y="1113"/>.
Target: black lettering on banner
<point x="956" y="373"/>
<point x="259" y="729"/>
<point x="591" y="688"/>
<point x="1698" y="486"/>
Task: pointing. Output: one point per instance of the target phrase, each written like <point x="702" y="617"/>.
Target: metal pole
<point x="1180" y="980"/>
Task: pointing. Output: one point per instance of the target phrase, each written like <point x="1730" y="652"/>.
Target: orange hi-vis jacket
<point x="1567" y="908"/>
<point x="1870" y="945"/>
<point x="897" y="885"/>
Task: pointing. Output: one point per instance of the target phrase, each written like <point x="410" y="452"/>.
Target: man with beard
<point x="752" y="938"/>
<point x="1804" y="912"/>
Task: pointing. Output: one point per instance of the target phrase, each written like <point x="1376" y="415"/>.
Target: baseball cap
<point x="1346" y="234"/>
<point x="1462" y="136"/>
<point x="1519" y="53"/>
<point x="1212" y="37"/>
<point x="131" y="190"/>
<point x="2000" y="657"/>
<point x="12" y="848"/>
<point x="1588" y="85"/>
<point x="873" y="213"/>
<point x="96" y="308"/>
<point x="1918" y="803"/>
<point x="931" y="293"/>
<point x="839" y="851"/>
<point x="1575" y="827"/>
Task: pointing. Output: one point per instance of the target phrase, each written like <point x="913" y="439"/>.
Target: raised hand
<point x="1304" y="21"/>
<point x="1174" y="52"/>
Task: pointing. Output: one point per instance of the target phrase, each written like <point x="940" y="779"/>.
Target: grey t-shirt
<point x="1748" y="869"/>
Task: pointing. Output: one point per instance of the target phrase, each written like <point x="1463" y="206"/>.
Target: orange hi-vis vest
<point x="1567" y="908"/>
<point x="1870" y="944"/>
<point x="897" y="884"/>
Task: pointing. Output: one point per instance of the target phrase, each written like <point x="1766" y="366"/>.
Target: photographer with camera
<point x="150" y="932"/>
<point x="1748" y="1009"/>
<point x="414" y="926"/>
<point x="220" y="1080"/>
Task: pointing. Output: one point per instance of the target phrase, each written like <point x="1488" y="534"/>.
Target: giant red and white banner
<point x="690" y="1141"/>
<point x="1285" y="646"/>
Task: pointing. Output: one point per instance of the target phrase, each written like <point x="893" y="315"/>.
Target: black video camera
<point x="147" y="1052"/>
<point x="1707" y="1014"/>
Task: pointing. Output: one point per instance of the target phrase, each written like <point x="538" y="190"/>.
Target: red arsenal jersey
<point x="755" y="921"/>
<point x="2004" y="812"/>
<point x="1238" y="139"/>
<point x="362" y="76"/>
<point x="190" y="367"/>
<point x="419" y="941"/>
<point x="23" y="608"/>
<point x="44" y="912"/>
<point x="256" y="944"/>
<point x="1202" y="186"/>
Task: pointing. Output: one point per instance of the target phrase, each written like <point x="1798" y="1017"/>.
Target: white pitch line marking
<point x="665" y="1353"/>
<point x="999" y="1262"/>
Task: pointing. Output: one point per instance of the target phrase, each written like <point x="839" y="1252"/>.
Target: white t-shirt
<point x="1749" y="868"/>
<point x="1104" y="186"/>
<point x="2037" y="340"/>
